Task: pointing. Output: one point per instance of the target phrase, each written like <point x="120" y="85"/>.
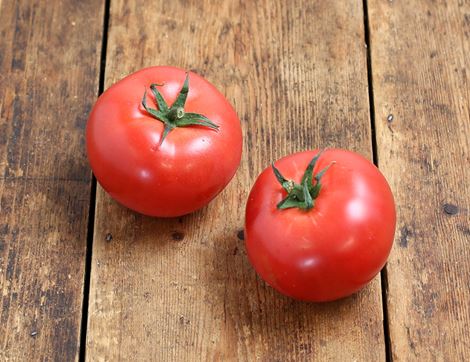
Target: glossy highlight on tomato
<point x="163" y="142"/>
<point x="322" y="236"/>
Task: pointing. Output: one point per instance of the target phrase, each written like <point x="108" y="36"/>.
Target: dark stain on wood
<point x="177" y="235"/>
<point x="170" y="24"/>
<point x="405" y="233"/>
<point x="12" y="257"/>
<point x="64" y="340"/>
<point x="411" y="342"/>
<point x="464" y="229"/>
<point x="225" y="30"/>
<point x="20" y="38"/>
<point x="13" y="152"/>
<point x="4" y="230"/>
<point x="451" y="209"/>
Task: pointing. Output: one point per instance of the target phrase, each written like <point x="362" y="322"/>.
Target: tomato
<point x="163" y="142"/>
<point x="320" y="237"/>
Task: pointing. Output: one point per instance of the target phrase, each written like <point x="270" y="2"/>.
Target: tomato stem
<point x="302" y="195"/>
<point x="175" y="116"/>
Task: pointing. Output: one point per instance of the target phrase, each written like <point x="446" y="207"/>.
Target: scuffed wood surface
<point x="420" y="64"/>
<point x="49" y="70"/>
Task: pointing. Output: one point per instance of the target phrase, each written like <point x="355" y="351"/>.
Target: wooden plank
<point x="182" y="289"/>
<point x="49" y="71"/>
<point x="420" y="62"/>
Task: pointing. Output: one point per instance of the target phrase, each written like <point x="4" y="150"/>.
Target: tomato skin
<point x="185" y="172"/>
<point x="332" y="250"/>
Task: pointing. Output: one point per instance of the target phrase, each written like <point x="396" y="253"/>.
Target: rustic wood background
<point x="82" y="278"/>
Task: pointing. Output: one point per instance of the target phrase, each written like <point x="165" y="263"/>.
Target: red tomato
<point x="168" y="154"/>
<point x="323" y="248"/>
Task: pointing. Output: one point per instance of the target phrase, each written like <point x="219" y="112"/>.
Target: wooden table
<point x="84" y="278"/>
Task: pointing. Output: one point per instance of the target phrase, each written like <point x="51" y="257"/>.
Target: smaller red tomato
<point x="163" y="142"/>
<point x="320" y="226"/>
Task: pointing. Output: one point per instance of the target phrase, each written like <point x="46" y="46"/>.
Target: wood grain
<point x="49" y="70"/>
<point x="182" y="289"/>
<point x="420" y="62"/>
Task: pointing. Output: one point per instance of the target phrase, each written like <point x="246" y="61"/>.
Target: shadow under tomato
<point x="117" y="222"/>
<point x="255" y="314"/>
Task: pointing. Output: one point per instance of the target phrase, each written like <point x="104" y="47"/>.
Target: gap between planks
<point x="383" y="273"/>
<point x="91" y="210"/>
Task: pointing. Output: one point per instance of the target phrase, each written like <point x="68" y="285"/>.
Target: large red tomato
<point x="163" y="142"/>
<point x="320" y="228"/>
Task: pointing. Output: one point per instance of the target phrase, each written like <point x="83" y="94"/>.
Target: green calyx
<point x="301" y="195"/>
<point x="175" y="116"/>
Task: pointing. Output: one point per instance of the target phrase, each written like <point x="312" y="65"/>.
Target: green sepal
<point x="320" y="174"/>
<point x="308" y="174"/>
<point x="195" y="119"/>
<point x="315" y="191"/>
<point x="286" y="184"/>
<point x="167" y="128"/>
<point x="307" y="197"/>
<point x="181" y="99"/>
<point x="157" y="114"/>
<point x="175" y="116"/>
<point x="162" y="106"/>
<point x="288" y="203"/>
<point x="301" y="195"/>
<point x="144" y="100"/>
<point x="292" y="200"/>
